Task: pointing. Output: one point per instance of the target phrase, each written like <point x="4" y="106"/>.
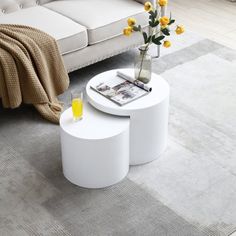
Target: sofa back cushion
<point x="8" y="6"/>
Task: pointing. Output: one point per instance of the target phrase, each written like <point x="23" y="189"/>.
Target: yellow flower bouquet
<point x="159" y="30"/>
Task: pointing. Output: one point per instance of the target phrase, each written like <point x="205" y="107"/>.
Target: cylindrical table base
<point x="95" y="163"/>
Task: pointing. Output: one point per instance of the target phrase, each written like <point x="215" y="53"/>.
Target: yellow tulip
<point x="127" y="31"/>
<point x="167" y="44"/>
<point x="179" y="29"/>
<point x="162" y="3"/>
<point x="148" y="6"/>
<point x="131" y="21"/>
<point x="164" y="20"/>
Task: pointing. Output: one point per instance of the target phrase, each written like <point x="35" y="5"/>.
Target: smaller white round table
<point x="95" y="150"/>
<point x="148" y="116"/>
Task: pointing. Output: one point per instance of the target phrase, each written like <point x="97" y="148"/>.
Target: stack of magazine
<point x="122" y="89"/>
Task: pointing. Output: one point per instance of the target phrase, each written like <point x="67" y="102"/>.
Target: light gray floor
<point x="189" y="190"/>
<point x="213" y="19"/>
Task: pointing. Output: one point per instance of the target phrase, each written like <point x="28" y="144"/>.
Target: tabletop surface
<point x="94" y="125"/>
<point x="160" y="90"/>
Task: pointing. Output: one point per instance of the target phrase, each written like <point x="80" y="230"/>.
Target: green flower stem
<point x="154" y="31"/>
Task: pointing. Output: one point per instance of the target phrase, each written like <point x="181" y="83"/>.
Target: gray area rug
<point x="189" y="190"/>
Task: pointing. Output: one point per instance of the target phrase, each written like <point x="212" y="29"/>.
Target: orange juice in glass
<point x="77" y="105"/>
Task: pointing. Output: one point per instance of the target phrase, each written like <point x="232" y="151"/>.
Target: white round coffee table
<point x="148" y="116"/>
<point x="95" y="150"/>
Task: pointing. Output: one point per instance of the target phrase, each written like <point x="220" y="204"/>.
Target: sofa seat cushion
<point x="70" y="35"/>
<point x="104" y="19"/>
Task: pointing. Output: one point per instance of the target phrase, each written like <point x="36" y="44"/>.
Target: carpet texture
<point x="189" y="190"/>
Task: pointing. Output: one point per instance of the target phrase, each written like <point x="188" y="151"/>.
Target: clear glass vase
<point x="143" y="65"/>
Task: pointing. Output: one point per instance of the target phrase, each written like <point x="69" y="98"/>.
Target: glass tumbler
<point x="77" y="104"/>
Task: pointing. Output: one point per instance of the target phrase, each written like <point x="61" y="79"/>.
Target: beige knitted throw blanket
<point x="31" y="70"/>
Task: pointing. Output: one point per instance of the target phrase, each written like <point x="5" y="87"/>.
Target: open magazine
<point x="121" y="90"/>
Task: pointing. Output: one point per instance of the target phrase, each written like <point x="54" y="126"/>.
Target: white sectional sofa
<point x="87" y="31"/>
